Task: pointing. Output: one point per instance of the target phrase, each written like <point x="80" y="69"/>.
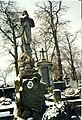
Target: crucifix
<point x="42" y="51"/>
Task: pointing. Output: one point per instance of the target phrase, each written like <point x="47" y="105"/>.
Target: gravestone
<point x="8" y="92"/>
<point x="45" y="70"/>
<point x="66" y="79"/>
<point x="32" y="95"/>
<point x="73" y="84"/>
<point x="59" y="85"/>
<point x="57" y="95"/>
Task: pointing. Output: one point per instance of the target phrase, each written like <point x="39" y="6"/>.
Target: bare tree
<point x="71" y="53"/>
<point x="10" y="29"/>
<point x="4" y="74"/>
<point x="48" y="14"/>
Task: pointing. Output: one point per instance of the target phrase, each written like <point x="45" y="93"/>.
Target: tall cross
<point x="42" y="53"/>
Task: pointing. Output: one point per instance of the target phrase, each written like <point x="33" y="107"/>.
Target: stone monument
<point x="26" y="24"/>
<point x="29" y="89"/>
<point x="45" y="68"/>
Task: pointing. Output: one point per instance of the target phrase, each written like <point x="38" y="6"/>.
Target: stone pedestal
<point x="45" y="71"/>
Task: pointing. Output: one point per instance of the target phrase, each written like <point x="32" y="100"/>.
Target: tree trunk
<point x="58" y="55"/>
<point x="16" y="61"/>
<point x="54" y="32"/>
<point x="36" y="55"/>
<point x="71" y="59"/>
<point x="16" y="53"/>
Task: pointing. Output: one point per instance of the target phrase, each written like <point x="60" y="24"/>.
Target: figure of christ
<point x="26" y="24"/>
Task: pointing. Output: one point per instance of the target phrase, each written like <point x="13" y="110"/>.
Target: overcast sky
<point x="73" y="13"/>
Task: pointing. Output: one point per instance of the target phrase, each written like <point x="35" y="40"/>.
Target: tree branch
<point x="11" y="53"/>
<point x="5" y="34"/>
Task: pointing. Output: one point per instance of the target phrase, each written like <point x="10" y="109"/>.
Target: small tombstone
<point x="57" y="94"/>
<point x="60" y="85"/>
<point x="73" y="84"/>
